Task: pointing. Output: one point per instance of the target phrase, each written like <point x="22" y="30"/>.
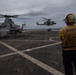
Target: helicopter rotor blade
<point x="44" y="18"/>
<point x="31" y="13"/>
<point x="49" y="18"/>
<point x="34" y="13"/>
<point x="22" y="18"/>
<point x="13" y="16"/>
<point x="54" y="18"/>
<point x="2" y="15"/>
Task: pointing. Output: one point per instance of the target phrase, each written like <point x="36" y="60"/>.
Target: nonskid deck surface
<point x="31" y="53"/>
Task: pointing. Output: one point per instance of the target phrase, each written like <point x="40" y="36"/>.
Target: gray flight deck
<point x="31" y="53"/>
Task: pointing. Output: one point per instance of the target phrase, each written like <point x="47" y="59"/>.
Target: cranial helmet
<point x="70" y="19"/>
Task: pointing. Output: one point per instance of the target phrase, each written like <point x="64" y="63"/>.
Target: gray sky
<point x="35" y="9"/>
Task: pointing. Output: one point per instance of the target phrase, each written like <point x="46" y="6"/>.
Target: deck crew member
<point x="68" y="37"/>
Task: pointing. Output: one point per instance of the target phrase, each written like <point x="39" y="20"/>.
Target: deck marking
<point x="35" y="61"/>
<point x="25" y="40"/>
<point x="9" y="54"/>
<point x="43" y="46"/>
<point x="51" y="39"/>
<point x="29" y="49"/>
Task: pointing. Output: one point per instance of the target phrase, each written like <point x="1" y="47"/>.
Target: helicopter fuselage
<point x="9" y="27"/>
<point x="47" y="24"/>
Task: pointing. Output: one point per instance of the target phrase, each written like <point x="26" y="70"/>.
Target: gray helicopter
<point x="48" y="22"/>
<point x="9" y="28"/>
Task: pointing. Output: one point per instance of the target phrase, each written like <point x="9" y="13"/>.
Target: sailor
<point x="68" y="37"/>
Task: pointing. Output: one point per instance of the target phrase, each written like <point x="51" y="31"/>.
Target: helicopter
<point x="47" y="22"/>
<point x="9" y="28"/>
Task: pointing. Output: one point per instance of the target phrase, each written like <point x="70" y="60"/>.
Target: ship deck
<point x="31" y="53"/>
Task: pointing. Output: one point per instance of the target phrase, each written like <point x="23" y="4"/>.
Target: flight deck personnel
<point x="68" y="37"/>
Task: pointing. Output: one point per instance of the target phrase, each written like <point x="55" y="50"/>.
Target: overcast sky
<point x="35" y="9"/>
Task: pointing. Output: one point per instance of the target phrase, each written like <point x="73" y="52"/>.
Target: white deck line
<point x="37" y="62"/>
<point x="9" y="54"/>
<point x="52" y="40"/>
<point x="30" y="40"/>
<point x="43" y="46"/>
<point x="25" y="40"/>
<point x="29" y="49"/>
